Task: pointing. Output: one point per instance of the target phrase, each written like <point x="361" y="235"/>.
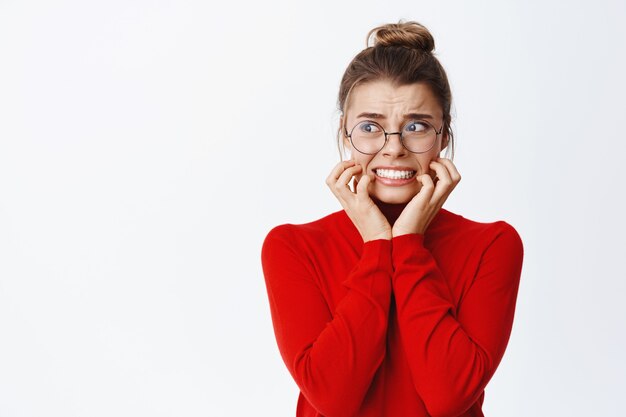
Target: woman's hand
<point x="364" y="213"/>
<point x="422" y="208"/>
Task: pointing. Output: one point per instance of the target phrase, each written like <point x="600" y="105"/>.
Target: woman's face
<point x="393" y="105"/>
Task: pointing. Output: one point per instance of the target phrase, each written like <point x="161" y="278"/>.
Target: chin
<point x="394" y="197"/>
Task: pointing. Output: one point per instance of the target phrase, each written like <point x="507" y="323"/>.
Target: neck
<point x="391" y="211"/>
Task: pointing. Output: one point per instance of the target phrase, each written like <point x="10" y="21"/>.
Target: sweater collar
<point x="348" y="227"/>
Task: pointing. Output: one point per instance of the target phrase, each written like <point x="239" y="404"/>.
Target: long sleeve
<point x="332" y="356"/>
<point x="453" y="353"/>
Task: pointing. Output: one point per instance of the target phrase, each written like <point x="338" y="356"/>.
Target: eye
<point x="418" y="127"/>
<point x="367" y="127"/>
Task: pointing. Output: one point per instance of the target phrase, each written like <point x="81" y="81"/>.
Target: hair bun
<point x="410" y="34"/>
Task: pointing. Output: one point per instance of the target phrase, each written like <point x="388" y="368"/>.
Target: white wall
<point x="146" y="148"/>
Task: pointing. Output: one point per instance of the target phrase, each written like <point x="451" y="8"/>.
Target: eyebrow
<point x="406" y="116"/>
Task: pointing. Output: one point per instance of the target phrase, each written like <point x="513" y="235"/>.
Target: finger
<point x="337" y="170"/>
<point x="332" y="178"/>
<point x="361" y="190"/>
<point x="444" y="186"/>
<point x="341" y="185"/>
<point x="355" y="184"/>
<point x="442" y="171"/>
<point x="454" y="173"/>
<point x="335" y="174"/>
<point x="426" y="191"/>
<point x="347" y="174"/>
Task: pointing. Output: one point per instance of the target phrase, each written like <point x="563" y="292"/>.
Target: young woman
<point x="393" y="306"/>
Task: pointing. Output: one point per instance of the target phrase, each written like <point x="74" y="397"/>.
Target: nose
<point x="394" y="146"/>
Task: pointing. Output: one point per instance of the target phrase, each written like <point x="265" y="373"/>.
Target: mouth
<point x="394" y="177"/>
<point x="394" y="174"/>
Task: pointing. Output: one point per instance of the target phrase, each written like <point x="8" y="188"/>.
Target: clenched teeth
<point x="394" y="174"/>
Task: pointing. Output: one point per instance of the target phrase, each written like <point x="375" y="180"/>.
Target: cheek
<point x="424" y="164"/>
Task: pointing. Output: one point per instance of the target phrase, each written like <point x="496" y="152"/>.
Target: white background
<point x="147" y="147"/>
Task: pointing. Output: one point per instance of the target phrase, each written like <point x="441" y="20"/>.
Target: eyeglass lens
<point x="417" y="136"/>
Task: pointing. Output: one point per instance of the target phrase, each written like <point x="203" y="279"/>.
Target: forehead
<point x="392" y="101"/>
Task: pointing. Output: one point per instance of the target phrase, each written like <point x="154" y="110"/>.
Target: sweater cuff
<point x="410" y="245"/>
<point x="377" y="254"/>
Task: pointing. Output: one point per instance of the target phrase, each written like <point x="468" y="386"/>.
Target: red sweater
<point x="412" y="326"/>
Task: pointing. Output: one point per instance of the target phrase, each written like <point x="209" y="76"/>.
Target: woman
<point x="393" y="306"/>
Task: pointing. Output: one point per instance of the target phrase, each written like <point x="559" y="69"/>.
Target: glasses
<point x="417" y="136"/>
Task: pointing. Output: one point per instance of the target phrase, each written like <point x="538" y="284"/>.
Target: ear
<point x="444" y="141"/>
<point x="342" y="133"/>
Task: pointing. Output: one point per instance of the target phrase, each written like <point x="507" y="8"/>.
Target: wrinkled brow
<point x="406" y="116"/>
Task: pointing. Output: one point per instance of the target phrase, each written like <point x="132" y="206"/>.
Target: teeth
<point x="394" y="174"/>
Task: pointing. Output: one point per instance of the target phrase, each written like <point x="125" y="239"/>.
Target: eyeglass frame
<point x="437" y="133"/>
